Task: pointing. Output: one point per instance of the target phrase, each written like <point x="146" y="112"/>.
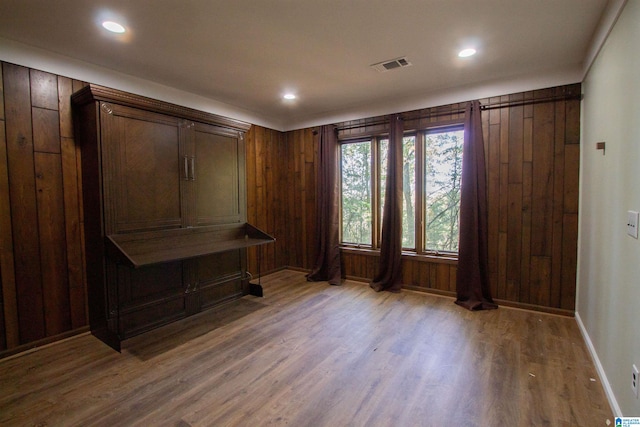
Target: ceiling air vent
<point x="391" y="64"/>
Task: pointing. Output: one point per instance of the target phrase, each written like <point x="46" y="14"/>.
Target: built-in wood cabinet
<point x="165" y="210"/>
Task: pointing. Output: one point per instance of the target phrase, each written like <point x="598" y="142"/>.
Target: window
<point x="432" y="165"/>
<point x="443" y="169"/>
<point x="356" y="193"/>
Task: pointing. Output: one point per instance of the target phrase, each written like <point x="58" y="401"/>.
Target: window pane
<point x="408" y="192"/>
<point x="356" y="193"/>
<point x="443" y="167"/>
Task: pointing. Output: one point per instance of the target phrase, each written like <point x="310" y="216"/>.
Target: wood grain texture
<point x="53" y="259"/>
<point x="138" y="160"/>
<point x="72" y="187"/>
<point x="10" y="327"/>
<point x="46" y="130"/>
<point x="24" y="212"/>
<point x="41" y="255"/>
<point x="268" y="189"/>
<point x="532" y="184"/>
<point x="313" y="354"/>
<point x="281" y="185"/>
<point x="43" y="89"/>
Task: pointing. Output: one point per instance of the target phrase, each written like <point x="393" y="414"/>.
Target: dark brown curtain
<point x="389" y="277"/>
<point x="327" y="265"/>
<point x="472" y="285"/>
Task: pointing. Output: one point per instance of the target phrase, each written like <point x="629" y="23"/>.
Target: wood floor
<point x="310" y="354"/>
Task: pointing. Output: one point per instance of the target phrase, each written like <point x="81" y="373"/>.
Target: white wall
<point x="608" y="306"/>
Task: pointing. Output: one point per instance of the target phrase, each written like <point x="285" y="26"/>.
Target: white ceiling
<point x="247" y="53"/>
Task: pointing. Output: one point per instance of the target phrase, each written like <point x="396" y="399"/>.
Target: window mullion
<point x="420" y="177"/>
<point x="375" y="193"/>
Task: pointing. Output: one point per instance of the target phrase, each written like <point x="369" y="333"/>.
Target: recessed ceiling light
<point x="289" y="96"/>
<point x="465" y="53"/>
<point x="114" y="27"/>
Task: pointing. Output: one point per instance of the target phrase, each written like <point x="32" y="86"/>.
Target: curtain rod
<point x="496" y="105"/>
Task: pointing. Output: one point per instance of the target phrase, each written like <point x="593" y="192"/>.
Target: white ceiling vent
<point x="392" y="64"/>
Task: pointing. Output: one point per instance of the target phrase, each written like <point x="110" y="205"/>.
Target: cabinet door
<point x="148" y="297"/>
<point x="219" y="277"/>
<point x="219" y="176"/>
<point x="142" y="170"/>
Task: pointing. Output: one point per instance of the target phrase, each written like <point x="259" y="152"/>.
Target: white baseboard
<point x="603" y="376"/>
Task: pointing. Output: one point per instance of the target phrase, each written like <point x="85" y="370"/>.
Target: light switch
<point x="632" y="224"/>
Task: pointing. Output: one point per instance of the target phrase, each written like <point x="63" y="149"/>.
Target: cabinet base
<point x="109" y="338"/>
<point x="255" y="290"/>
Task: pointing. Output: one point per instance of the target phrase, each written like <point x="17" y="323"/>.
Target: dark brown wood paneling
<point x="46" y="130"/>
<point x="516" y="140"/>
<point x="72" y="206"/>
<point x="281" y="185"/>
<point x="267" y="197"/>
<point x="493" y="205"/>
<point x="310" y="201"/>
<point x="24" y="213"/>
<point x="532" y="156"/>
<point x="572" y="135"/>
<point x="9" y="323"/>
<point x="540" y="280"/>
<point x="1" y="95"/>
<point x="558" y="200"/>
<point x="44" y="90"/>
<point x="251" y="194"/>
<point x="41" y="253"/>
<point x="51" y="226"/>
<point x="569" y="260"/>
<point x="514" y="245"/>
<point x="542" y="202"/>
<point x="525" y="266"/>
<point x="571" y="177"/>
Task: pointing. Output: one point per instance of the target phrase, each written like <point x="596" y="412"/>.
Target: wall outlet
<point x="634" y="380"/>
<point x="632" y="224"/>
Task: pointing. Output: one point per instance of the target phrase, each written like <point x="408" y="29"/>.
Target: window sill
<point x="432" y="258"/>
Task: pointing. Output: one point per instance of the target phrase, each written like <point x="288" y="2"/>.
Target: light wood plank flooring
<point x="310" y="354"/>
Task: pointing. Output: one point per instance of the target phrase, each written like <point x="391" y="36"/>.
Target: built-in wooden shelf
<point x="155" y="247"/>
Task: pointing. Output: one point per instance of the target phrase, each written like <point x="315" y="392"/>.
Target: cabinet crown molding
<point x="94" y="92"/>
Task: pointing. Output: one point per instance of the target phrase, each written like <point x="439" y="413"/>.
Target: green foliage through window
<point x="430" y="203"/>
<point x="356" y="193"/>
<point x="443" y="169"/>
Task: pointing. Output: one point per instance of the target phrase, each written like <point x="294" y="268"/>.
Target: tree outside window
<point x="432" y="166"/>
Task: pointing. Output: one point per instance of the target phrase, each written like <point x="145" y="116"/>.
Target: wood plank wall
<point x="533" y="156"/>
<point x="266" y="198"/>
<point x="281" y="176"/>
<point x="301" y="167"/>
<point x="41" y="251"/>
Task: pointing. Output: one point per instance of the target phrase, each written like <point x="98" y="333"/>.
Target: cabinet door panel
<point x="219" y="277"/>
<point x="211" y="268"/>
<point x="142" y="154"/>
<point x="150" y="284"/>
<point x="220" y="292"/>
<point x="219" y="163"/>
<point x="149" y="317"/>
